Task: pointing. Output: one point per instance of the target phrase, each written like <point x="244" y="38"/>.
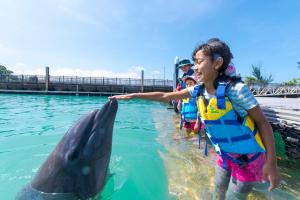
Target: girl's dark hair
<point x="215" y="48"/>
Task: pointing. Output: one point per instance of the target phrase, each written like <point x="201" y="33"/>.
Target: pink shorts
<point x="189" y="125"/>
<point x="251" y="172"/>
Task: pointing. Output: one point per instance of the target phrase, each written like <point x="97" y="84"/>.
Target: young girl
<point x="234" y="122"/>
<point x="188" y="109"/>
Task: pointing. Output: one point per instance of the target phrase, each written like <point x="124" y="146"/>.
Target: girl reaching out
<point x="233" y="119"/>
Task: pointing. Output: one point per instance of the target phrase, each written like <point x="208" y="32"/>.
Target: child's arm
<point x="270" y="171"/>
<point x="156" y="96"/>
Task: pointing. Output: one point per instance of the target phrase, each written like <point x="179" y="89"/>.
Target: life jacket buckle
<point x="217" y="149"/>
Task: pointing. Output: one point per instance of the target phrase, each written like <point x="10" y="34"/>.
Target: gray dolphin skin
<point x="78" y="166"/>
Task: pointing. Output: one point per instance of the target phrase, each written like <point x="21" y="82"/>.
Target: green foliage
<point x="4" y="71"/>
<point x="257" y="77"/>
<point x="279" y="145"/>
<point x="292" y="82"/>
<point x="249" y="80"/>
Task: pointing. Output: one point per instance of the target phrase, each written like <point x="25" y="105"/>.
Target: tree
<point x="293" y="82"/>
<point x="249" y="80"/>
<point x="257" y="77"/>
<point x="4" y="71"/>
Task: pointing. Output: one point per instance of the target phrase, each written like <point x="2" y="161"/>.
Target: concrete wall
<point x="82" y="87"/>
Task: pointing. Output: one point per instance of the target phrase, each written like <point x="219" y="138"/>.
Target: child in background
<point x="186" y="67"/>
<point x="189" y="110"/>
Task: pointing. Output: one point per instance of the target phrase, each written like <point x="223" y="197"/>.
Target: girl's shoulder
<point x="240" y="94"/>
<point x="238" y="88"/>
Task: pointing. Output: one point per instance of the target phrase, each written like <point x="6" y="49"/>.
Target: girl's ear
<point x="218" y="63"/>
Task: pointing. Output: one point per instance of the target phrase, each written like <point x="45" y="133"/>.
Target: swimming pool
<point x="146" y="163"/>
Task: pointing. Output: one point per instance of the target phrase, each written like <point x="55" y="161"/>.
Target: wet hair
<point x="215" y="48"/>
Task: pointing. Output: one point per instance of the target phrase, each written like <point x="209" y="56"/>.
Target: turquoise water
<point x="146" y="162"/>
<point x="31" y="126"/>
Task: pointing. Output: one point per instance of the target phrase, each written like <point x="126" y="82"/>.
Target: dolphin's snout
<point x="113" y="103"/>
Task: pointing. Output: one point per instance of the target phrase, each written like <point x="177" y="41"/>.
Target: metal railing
<point x="275" y="90"/>
<point x="85" y="80"/>
<point x="257" y="90"/>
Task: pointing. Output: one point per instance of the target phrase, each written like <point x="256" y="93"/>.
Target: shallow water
<point x="146" y="162"/>
<point x="191" y="174"/>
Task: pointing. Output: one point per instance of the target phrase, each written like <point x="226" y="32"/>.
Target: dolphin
<point x="78" y="166"/>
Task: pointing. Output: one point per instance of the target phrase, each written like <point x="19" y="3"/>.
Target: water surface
<point x="146" y="162"/>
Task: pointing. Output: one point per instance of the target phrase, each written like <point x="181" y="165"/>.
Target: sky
<point x="119" y="38"/>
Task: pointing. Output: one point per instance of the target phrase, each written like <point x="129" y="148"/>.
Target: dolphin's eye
<point x="73" y="156"/>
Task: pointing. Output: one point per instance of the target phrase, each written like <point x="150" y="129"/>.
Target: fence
<point x="275" y="90"/>
<point x="85" y="80"/>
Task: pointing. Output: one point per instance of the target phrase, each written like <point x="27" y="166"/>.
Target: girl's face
<point x="189" y="83"/>
<point x="206" y="70"/>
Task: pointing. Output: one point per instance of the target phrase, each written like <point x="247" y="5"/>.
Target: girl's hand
<point x="271" y="174"/>
<point x="123" y="97"/>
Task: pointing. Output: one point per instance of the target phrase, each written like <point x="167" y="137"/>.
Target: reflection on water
<point x="191" y="174"/>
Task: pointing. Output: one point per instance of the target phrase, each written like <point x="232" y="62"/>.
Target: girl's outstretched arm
<point x="270" y="171"/>
<point x="155" y="96"/>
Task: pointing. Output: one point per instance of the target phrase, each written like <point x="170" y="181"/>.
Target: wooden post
<point x="142" y="81"/>
<point x="47" y="79"/>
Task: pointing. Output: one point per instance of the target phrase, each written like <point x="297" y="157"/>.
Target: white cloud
<point x="138" y="68"/>
<point x="92" y="73"/>
<point x="176" y="10"/>
<point x="21" y="68"/>
<point x="156" y="74"/>
<point x="76" y="14"/>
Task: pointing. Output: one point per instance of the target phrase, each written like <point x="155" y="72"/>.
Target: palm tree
<point x="249" y="80"/>
<point x="4" y="71"/>
<point x="257" y="77"/>
<point x="293" y="82"/>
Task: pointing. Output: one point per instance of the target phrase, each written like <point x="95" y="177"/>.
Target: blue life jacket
<point x="227" y="131"/>
<point x="189" y="109"/>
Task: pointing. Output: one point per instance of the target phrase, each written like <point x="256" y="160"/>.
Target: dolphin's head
<point x="79" y="163"/>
